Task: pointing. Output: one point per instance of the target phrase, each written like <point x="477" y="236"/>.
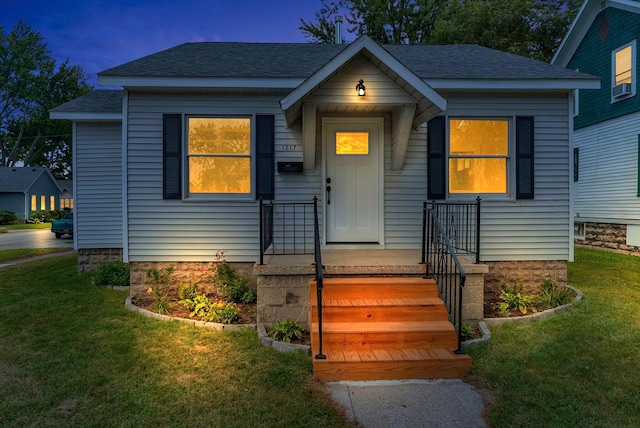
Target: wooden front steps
<point x="384" y="328"/>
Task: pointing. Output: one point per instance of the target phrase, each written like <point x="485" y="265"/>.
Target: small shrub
<point x="199" y="305"/>
<point x="155" y="276"/>
<point x="230" y="285"/>
<point x="41" y="216"/>
<point x="466" y="331"/>
<point x="553" y="296"/>
<point x="225" y="313"/>
<point x="188" y="291"/>
<point x="111" y="273"/>
<point x="162" y="303"/>
<point x="286" y="330"/>
<point x="512" y="299"/>
<point x="8" y="217"/>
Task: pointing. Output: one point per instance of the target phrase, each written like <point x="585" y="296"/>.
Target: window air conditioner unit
<point x="621" y="90"/>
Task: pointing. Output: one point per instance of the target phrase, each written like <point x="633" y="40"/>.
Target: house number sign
<point x="288" y="147"/>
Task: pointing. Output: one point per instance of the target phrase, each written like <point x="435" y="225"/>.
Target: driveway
<point x="39" y="238"/>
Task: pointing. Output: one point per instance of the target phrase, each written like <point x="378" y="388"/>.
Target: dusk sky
<point x="100" y="34"/>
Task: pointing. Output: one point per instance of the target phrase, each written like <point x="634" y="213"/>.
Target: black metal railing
<point x="319" y="274"/>
<point x="286" y="228"/>
<point x="444" y="234"/>
<point x="461" y="223"/>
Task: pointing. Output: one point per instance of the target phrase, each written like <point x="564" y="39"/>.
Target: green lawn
<point x="9" y="255"/>
<point x="26" y="226"/>
<point x="72" y="355"/>
<point x="578" y="369"/>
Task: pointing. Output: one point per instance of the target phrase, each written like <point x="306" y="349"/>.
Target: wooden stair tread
<point x="382" y="355"/>
<point x="384" y="326"/>
<point x="382" y="302"/>
<point x="376" y="280"/>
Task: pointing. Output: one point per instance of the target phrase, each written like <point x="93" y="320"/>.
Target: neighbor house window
<point x="52" y="202"/>
<point x="623" y="64"/>
<point x="66" y="203"/>
<point x="219" y="155"/>
<point x="34" y="203"/>
<point x="43" y="202"/>
<point x="478" y="156"/>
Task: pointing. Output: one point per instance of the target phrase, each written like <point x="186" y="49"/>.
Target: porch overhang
<point x="420" y="102"/>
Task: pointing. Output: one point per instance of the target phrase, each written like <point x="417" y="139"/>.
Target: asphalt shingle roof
<point x="99" y="101"/>
<point x="269" y="60"/>
<point x="19" y="179"/>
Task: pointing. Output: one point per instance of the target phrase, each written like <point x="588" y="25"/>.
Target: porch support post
<point x="309" y="136"/>
<point x="402" y="119"/>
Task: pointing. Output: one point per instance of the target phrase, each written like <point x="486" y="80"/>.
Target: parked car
<point x="64" y="226"/>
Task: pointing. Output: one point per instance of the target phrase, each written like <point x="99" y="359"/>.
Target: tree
<point x="385" y="21"/>
<point x="532" y="28"/>
<point x="31" y="83"/>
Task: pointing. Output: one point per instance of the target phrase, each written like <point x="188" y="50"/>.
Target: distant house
<point x="66" y="194"/>
<point x="603" y="41"/>
<point x="25" y="190"/>
<point x="224" y="146"/>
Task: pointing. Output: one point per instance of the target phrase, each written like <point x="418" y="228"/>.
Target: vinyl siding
<point x="190" y="230"/>
<point x="174" y="230"/>
<point x="607" y="185"/>
<point x="537" y="229"/>
<point x="594" y="57"/>
<point x="98" y="180"/>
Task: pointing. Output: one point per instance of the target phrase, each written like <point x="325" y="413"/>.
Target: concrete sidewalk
<point x="410" y="403"/>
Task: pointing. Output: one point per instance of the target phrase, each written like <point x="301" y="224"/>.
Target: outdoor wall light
<point x="360" y="89"/>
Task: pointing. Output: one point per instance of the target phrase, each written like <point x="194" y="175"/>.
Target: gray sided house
<point x="224" y="146"/>
<point x="603" y="41"/>
<point x="25" y="190"/>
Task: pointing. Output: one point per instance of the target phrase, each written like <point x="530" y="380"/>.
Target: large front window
<point x="478" y="155"/>
<point x="219" y="155"/>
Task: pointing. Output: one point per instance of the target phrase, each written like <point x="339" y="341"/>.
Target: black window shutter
<point x="436" y="158"/>
<point x="524" y="157"/>
<point x="172" y="162"/>
<point x="265" y="152"/>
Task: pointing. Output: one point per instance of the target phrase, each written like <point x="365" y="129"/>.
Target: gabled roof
<point x="20" y="179"/>
<point x="427" y="98"/>
<point x="581" y="24"/>
<point x="96" y="105"/>
<point x="286" y="65"/>
<point x="65" y="185"/>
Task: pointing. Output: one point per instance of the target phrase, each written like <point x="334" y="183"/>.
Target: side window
<point x="576" y="164"/>
<point x="219" y="155"/>
<point x="478" y="156"/>
<point x="623" y="66"/>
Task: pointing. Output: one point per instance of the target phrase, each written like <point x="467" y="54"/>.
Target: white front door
<point x="353" y="180"/>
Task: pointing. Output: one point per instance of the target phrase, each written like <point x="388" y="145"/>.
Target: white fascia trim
<point x="515" y="84"/>
<point x="86" y="116"/>
<point x="360" y="44"/>
<point x="201" y="82"/>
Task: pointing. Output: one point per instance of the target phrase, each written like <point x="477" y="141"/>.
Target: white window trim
<point x="511" y="164"/>
<point x="219" y="197"/>
<point x="633" y="71"/>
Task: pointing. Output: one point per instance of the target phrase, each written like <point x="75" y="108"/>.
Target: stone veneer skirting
<point x="183" y="272"/>
<point x="607" y="236"/>
<point x="530" y="273"/>
<point x="89" y="259"/>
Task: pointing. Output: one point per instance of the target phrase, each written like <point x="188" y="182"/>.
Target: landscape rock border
<point x="486" y="333"/>
<point x="204" y="324"/>
<point x="270" y="342"/>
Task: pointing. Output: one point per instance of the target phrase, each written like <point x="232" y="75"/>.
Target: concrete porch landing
<point x="346" y="262"/>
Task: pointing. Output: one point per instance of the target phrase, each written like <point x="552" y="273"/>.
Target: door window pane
<point x="352" y="143"/>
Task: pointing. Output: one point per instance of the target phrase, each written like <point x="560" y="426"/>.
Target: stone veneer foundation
<point x="607" y="236"/>
<point x="183" y="272"/>
<point x="89" y="259"/>
<point x="531" y="273"/>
